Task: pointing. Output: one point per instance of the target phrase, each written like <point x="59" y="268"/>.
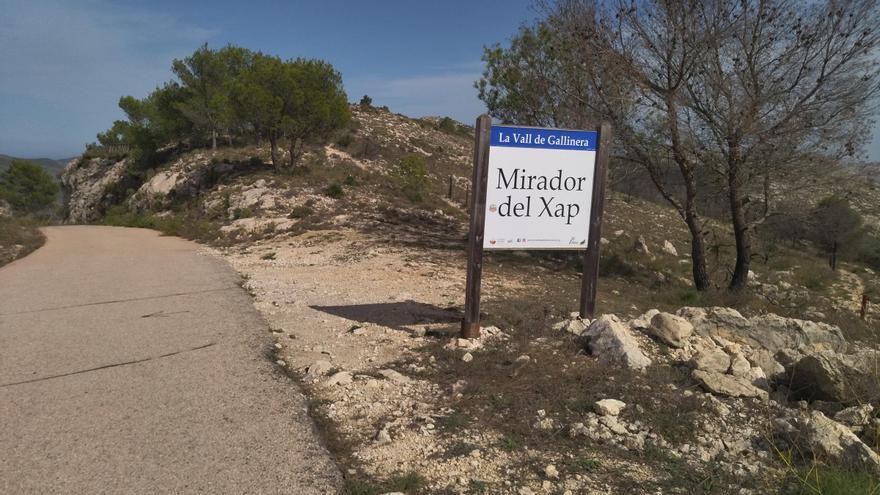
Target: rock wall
<point x="91" y="186"/>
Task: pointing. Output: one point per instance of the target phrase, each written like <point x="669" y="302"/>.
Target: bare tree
<point x="780" y="85"/>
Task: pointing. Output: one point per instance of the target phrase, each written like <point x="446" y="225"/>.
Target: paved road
<point x="130" y="363"/>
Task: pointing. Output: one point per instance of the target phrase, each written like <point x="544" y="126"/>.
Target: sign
<point x="535" y="189"/>
<point x="539" y="188"/>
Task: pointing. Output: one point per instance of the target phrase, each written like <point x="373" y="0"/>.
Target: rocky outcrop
<point x="611" y="341"/>
<point x="91" y="186"/>
<point x="829" y="376"/>
<point x="770" y="331"/>
<point x="827" y="439"/>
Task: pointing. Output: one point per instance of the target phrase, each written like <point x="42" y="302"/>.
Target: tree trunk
<point x="832" y="260"/>
<point x="689" y="209"/>
<point x="294" y="154"/>
<point x="214" y="139"/>
<point x="273" y="150"/>
<point x="741" y="232"/>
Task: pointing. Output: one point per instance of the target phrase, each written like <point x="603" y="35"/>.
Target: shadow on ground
<point x="394" y="315"/>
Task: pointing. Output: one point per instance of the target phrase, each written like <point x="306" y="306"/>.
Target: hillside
<point x="54" y="167"/>
<point x="362" y="282"/>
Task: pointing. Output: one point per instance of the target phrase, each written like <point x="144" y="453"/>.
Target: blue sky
<point x="64" y="64"/>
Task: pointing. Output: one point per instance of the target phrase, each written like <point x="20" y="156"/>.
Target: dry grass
<point x="18" y="238"/>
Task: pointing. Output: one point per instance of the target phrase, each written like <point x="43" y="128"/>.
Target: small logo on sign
<point x="492" y="241"/>
<point x="493" y="208"/>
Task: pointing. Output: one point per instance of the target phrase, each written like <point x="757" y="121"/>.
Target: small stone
<point x="341" y="378"/>
<point x="359" y="331"/>
<point x="317" y="370"/>
<point x="669" y="249"/>
<point x="394" y="376"/>
<point x="551" y="472"/>
<point x="420" y="332"/>
<point x="468" y="357"/>
<point x="382" y="436"/>
<point x="609" y="407"/>
<point x="523" y="359"/>
<point x="281" y="362"/>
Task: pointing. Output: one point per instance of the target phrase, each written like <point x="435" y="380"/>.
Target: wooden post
<point x="863" y="313"/>
<point x="470" y="324"/>
<point x="449" y="195"/>
<point x="591" y="255"/>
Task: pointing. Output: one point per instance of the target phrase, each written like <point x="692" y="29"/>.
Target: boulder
<point x="575" y="326"/>
<point x="641" y="246"/>
<point x="644" y="321"/>
<point x="739" y="365"/>
<point x="826" y="438"/>
<point x="855" y="417"/>
<point x="711" y="360"/>
<point x="728" y="385"/>
<point x="763" y="359"/>
<point x="670" y="329"/>
<point x="609" y="407"/>
<point x="317" y="370"/>
<point x="770" y="331"/>
<point x="609" y="340"/>
<point x="669" y="249"/>
<point x="829" y="376"/>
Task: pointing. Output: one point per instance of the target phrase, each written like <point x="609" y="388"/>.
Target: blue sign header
<point x="554" y="139"/>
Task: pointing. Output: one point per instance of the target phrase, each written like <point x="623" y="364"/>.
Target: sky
<point x="64" y="64"/>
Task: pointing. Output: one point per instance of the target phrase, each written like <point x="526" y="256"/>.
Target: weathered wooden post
<point x="470" y="324"/>
<point x="449" y="195"/>
<point x="863" y="313"/>
<point x="590" y="277"/>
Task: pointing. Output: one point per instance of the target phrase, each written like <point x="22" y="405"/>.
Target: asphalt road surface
<point x="130" y="363"/>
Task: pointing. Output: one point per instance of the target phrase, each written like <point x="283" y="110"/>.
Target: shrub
<point x="255" y="161"/>
<point x="28" y="187"/>
<point x="334" y="191"/>
<point x="411" y="176"/>
<point x="345" y="140"/>
<point x="350" y="181"/>
<point x="300" y="212"/>
<point x="366" y="101"/>
<point x="869" y="252"/>
<point x="448" y="125"/>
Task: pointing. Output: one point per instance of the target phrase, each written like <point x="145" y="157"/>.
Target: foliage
<point x="411" y="175"/>
<point x="366" y="102"/>
<point x="28" y="187"/>
<point x="869" y="252"/>
<point x="334" y="191"/>
<point x="236" y="93"/>
<point x="835" y="225"/>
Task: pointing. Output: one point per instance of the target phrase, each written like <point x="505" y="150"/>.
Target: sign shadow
<point x="395" y="315"/>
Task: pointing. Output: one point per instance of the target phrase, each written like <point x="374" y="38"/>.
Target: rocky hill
<point x="54" y="167"/>
<point x="669" y="391"/>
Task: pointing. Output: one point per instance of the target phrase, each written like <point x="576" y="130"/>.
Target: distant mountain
<point x="53" y="166"/>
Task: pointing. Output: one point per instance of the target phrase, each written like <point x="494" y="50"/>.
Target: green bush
<point x="366" y="101"/>
<point x="345" y="140"/>
<point x="28" y="188"/>
<point x="350" y="181"/>
<point x="255" y="161"/>
<point x="411" y="176"/>
<point x="300" y="212"/>
<point x="334" y="191"/>
<point x="869" y="252"/>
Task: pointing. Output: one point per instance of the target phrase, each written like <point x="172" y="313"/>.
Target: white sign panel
<point x="540" y="188"/>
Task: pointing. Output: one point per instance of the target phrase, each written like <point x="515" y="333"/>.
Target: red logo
<point x="492" y="241"/>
